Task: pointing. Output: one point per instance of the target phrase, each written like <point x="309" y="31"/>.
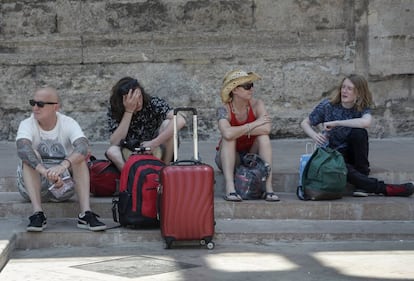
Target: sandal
<point x="232" y="196"/>
<point x="271" y="197"/>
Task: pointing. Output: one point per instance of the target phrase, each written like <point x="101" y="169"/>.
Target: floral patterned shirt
<point x="146" y="122"/>
<point x="326" y="111"/>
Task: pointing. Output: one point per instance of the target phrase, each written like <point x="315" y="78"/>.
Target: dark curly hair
<point x="116" y="99"/>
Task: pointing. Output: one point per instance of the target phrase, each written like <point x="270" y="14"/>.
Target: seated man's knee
<point x="37" y="182"/>
<point x="359" y="134"/>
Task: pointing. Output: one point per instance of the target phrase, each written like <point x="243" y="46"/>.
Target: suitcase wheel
<point x="168" y="243"/>
<point x="203" y="242"/>
<point x="210" y="245"/>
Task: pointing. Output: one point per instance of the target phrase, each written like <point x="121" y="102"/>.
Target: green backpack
<point x="324" y="176"/>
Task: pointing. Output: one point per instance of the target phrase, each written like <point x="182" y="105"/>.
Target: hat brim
<point x="227" y="88"/>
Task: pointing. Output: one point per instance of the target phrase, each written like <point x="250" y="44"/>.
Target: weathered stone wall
<point x="181" y="49"/>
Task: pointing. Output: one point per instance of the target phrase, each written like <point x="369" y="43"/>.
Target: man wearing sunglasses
<point x="52" y="148"/>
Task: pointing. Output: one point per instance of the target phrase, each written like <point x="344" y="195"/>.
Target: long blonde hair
<point x="364" y="96"/>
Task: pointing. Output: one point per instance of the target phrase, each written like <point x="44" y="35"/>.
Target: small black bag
<point x="250" y="177"/>
<point x="131" y="144"/>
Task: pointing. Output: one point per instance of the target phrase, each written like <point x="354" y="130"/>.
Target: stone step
<point x="64" y="233"/>
<point x="390" y="161"/>
<point x="282" y="182"/>
<point x="290" y="207"/>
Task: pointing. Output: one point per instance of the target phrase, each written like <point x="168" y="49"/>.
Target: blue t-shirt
<point x="326" y="111"/>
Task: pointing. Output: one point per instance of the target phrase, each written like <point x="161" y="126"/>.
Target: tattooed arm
<point x="27" y="154"/>
<point x="80" y="152"/>
<point x="222" y="113"/>
<point x="228" y="131"/>
<point x="81" y="146"/>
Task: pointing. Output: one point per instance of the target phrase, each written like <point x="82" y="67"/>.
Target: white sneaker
<point x="360" y="193"/>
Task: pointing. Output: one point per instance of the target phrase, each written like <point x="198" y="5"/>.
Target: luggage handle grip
<point x="191" y="162"/>
<point x="192" y="109"/>
<point x="195" y="135"/>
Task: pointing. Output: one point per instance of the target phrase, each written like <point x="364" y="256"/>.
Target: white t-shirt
<point x="54" y="143"/>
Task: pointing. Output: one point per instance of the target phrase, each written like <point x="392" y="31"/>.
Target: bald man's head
<point x="47" y="94"/>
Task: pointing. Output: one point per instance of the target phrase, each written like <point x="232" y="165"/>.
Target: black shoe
<point x="90" y="221"/>
<point x="405" y="189"/>
<point x="37" y="222"/>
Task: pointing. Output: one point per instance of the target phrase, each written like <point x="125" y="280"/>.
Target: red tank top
<point x="243" y="143"/>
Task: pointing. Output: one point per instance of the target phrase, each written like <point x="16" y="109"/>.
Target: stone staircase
<point x="348" y="219"/>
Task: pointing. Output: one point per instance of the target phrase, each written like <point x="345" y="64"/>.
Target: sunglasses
<point x="40" y="103"/>
<point x="247" y="86"/>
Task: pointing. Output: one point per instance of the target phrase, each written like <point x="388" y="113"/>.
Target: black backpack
<point x="136" y="205"/>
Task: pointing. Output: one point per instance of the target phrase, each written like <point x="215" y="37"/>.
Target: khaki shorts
<point x="158" y="152"/>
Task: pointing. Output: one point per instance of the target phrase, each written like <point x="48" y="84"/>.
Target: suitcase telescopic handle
<point x="195" y="135"/>
<point x="192" y="109"/>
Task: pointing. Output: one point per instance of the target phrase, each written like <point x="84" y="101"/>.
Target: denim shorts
<point x="238" y="159"/>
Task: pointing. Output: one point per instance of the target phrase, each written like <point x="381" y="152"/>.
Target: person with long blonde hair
<point x="345" y="118"/>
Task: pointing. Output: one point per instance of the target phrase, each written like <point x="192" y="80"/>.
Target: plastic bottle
<point x="326" y="135"/>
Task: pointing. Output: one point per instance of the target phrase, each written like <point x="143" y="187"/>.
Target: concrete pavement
<point x="340" y="261"/>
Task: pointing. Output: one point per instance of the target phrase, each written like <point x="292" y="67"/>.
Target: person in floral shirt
<point x="137" y="119"/>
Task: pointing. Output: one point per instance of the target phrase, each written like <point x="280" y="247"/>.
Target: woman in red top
<point x="244" y="126"/>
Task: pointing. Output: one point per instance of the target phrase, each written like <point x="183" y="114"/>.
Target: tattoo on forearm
<point x="222" y="113"/>
<point x="81" y="146"/>
<point x="26" y="153"/>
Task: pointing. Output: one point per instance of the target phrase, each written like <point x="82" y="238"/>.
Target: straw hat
<point x="236" y="78"/>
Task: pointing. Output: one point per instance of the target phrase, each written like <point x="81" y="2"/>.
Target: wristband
<point x="70" y="163"/>
<point x="129" y="111"/>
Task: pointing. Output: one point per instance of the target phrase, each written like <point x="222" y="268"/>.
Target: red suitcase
<point x="187" y="196"/>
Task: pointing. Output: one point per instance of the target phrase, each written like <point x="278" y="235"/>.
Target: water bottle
<point x="268" y="170"/>
<point x="326" y="135"/>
